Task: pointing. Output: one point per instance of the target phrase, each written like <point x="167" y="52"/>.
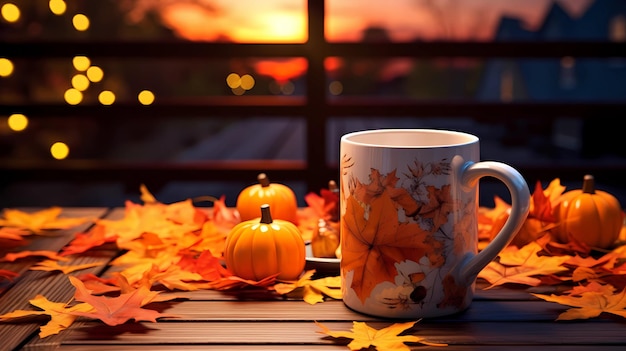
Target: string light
<point x="58" y="7"/>
<point x="59" y="150"/>
<point x="80" y="82"/>
<point x="80" y="22"/>
<point x="6" y="67"/>
<point x="17" y="122"/>
<point x="146" y="97"/>
<point x="10" y="12"/>
<point x="81" y="63"/>
<point x="95" y="74"/>
<point x="106" y="97"/>
<point x="73" y="96"/>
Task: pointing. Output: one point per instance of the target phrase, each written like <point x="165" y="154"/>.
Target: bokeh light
<point x="80" y="82"/>
<point x="335" y="87"/>
<point x="146" y="97"/>
<point x="287" y="88"/>
<point x="239" y="84"/>
<point x="6" y="67"/>
<point x="95" y="74"/>
<point x="59" y="150"/>
<point x="57" y="7"/>
<point x="80" y="22"/>
<point x="106" y="97"/>
<point x="17" y="122"/>
<point x="10" y="12"/>
<point x="81" y="63"/>
<point x="233" y="80"/>
<point x="73" y="96"/>
<point x="247" y="82"/>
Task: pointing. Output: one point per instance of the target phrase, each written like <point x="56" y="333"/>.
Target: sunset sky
<point x="280" y="21"/>
<point x="285" y="20"/>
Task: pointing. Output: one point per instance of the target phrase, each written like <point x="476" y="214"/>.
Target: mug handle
<point x="469" y="174"/>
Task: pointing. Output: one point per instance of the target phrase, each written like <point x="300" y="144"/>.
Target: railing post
<point x="316" y="113"/>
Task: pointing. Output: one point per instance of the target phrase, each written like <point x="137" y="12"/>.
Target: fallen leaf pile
<point x="179" y="246"/>
<point x="164" y="247"/>
<point x="590" y="280"/>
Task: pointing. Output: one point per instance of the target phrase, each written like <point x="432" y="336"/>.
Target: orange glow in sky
<point x="285" y="21"/>
<point x="242" y="21"/>
<point x="282" y="70"/>
<point x="281" y="21"/>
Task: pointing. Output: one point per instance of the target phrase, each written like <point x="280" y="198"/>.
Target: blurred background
<point x="196" y="97"/>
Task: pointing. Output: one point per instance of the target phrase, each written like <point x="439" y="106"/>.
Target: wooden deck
<point x="498" y="319"/>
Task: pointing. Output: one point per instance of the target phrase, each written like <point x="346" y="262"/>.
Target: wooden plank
<point x="306" y="332"/>
<point x="335" y="310"/>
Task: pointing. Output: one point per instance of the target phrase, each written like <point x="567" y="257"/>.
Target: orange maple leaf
<point x="234" y="282"/>
<point x="208" y="266"/>
<point x="13" y="233"/>
<point x="61" y="314"/>
<point x="521" y="266"/>
<point x="39" y="221"/>
<point x="117" y="310"/>
<point x="158" y="219"/>
<point x="589" y="304"/>
<point x="173" y="277"/>
<point x="387" y="339"/>
<point x="593" y="286"/>
<point x="372" y="247"/>
<point x="51" y="265"/>
<point x="318" y="204"/>
<point x="99" y="286"/>
<point x="541" y="218"/>
<point x="85" y="241"/>
<point x="311" y="291"/>
<point x="13" y="256"/>
<point x="223" y="216"/>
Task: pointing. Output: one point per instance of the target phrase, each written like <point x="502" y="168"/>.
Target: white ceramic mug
<point x="409" y="204"/>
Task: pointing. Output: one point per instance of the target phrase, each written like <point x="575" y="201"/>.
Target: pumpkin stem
<point x="263" y="180"/>
<point x="266" y="215"/>
<point x="589" y="186"/>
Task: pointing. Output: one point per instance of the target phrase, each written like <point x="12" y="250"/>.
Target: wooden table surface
<point x="498" y="319"/>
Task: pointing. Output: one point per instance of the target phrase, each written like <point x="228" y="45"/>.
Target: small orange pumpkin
<point x="258" y="248"/>
<point x="590" y="216"/>
<point x="279" y="196"/>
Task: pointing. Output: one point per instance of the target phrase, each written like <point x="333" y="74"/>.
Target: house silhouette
<point x="568" y="79"/>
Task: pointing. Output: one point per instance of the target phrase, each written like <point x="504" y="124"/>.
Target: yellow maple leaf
<point x="589" y="304"/>
<point x="60" y="314"/>
<point x="154" y="218"/>
<point x="388" y="339"/>
<point x="39" y="221"/>
<point x="146" y="195"/>
<point x="312" y="291"/>
<point x="521" y="265"/>
<point x="51" y="265"/>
